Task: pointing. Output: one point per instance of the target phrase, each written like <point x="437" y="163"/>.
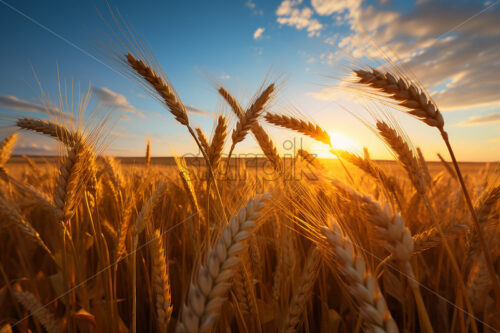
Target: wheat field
<point x="92" y="243"/>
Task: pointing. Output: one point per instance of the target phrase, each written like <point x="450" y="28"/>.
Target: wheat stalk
<point x="447" y="166"/>
<point x="208" y="290"/>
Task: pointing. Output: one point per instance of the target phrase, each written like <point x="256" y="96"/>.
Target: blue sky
<point x="452" y="47"/>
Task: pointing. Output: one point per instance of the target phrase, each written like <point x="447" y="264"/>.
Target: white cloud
<point x="115" y="100"/>
<point x="300" y="18"/>
<point x="492" y="118"/>
<point x="328" y="7"/>
<point x="451" y="52"/>
<point x="258" y="33"/>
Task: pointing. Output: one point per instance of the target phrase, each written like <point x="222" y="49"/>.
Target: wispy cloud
<point x="492" y="118"/>
<point x="194" y="109"/>
<point x="14" y="103"/>
<point x="112" y="99"/>
<point x="258" y="33"/>
<point x="253" y="6"/>
<point x="33" y="148"/>
<point x="301" y="18"/>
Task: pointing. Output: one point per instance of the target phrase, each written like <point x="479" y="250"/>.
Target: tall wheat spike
<point x="161" y="283"/>
<point x="364" y="287"/>
<point x="250" y="116"/>
<point x="418" y="103"/>
<point x="263" y="139"/>
<point x="202" y="138"/>
<point x="415" y="100"/>
<point x="11" y="215"/>
<point x="208" y="290"/>
<point x="160" y="86"/>
<point x="57" y="131"/>
<point x="217" y="143"/>
<point x="303" y="291"/>
<point x="148" y="154"/>
<point x="307" y="128"/>
<point x="6" y="148"/>
<point x="404" y="154"/>
<point x="311" y="159"/>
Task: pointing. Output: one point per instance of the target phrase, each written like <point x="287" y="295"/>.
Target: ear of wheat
<point x="202" y="138"/>
<point x="365" y="289"/>
<point x="161" y="283"/>
<point x="415" y="100"/>
<point x="298" y="125"/>
<point x="263" y="139"/>
<point x="217" y="143"/>
<point x="404" y="153"/>
<point x="418" y="103"/>
<point x="208" y="290"/>
<point x="148" y="154"/>
<point x="38" y="310"/>
<point x="303" y="292"/>
<point x="6" y="148"/>
<point x="164" y="90"/>
<point x="11" y="215"/>
<point x="49" y="128"/>
<point x="249" y="117"/>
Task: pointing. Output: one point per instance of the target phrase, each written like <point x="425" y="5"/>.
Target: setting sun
<point x="339" y="141"/>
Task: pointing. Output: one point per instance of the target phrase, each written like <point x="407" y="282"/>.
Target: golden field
<point x="89" y="243"/>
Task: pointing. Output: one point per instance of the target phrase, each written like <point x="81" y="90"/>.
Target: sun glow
<point x="339" y="141"/>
